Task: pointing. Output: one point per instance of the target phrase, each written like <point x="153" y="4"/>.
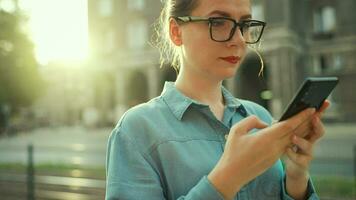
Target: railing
<point x="30" y="175"/>
<point x="355" y="168"/>
<point x="51" y="187"/>
<point x="34" y="184"/>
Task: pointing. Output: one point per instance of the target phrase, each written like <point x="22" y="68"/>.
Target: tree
<point x="20" y="81"/>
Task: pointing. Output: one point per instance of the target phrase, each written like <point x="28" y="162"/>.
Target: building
<point x="68" y="96"/>
<point x="303" y="38"/>
<point x="311" y="38"/>
<point x="119" y="33"/>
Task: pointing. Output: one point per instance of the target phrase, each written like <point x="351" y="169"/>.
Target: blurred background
<point x="69" y="69"/>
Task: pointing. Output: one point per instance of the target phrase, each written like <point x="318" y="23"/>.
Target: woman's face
<point x="202" y="55"/>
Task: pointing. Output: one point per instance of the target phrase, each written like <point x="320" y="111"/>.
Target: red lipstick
<point x="231" y="59"/>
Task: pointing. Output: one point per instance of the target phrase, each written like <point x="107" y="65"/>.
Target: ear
<point x="175" y="32"/>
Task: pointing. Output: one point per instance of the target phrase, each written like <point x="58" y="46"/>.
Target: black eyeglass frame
<point x="186" y="19"/>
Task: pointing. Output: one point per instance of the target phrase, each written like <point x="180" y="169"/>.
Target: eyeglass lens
<point x="223" y="29"/>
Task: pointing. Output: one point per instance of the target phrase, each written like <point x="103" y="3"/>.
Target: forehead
<point x="233" y="8"/>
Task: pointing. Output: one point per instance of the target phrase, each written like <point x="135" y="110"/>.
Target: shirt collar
<point x="230" y="100"/>
<point x="178" y="103"/>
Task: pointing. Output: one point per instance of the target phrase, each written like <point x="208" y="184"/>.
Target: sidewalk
<point x="340" y="130"/>
<point x="64" y="145"/>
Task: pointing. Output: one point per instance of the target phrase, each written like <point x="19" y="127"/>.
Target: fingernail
<point x="295" y="138"/>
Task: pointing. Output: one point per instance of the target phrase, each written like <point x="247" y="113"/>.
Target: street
<point x="65" y="145"/>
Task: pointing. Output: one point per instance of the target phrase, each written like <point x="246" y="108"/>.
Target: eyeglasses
<point x="222" y="29"/>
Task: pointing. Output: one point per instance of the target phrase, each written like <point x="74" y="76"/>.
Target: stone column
<point x="120" y="85"/>
<point x="153" y="81"/>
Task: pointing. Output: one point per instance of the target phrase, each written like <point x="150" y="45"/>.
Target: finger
<point x="291" y="124"/>
<point x="318" y="130"/>
<point x="247" y="124"/>
<point x="304" y="146"/>
<point x="299" y="159"/>
<point x="304" y="129"/>
<point x="298" y="119"/>
<point x="324" y="106"/>
<point x="301" y="131"/>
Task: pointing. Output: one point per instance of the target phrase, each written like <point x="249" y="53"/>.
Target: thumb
<point x="247" y="124"/>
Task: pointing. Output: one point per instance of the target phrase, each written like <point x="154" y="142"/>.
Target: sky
<point x="58" y="28"/>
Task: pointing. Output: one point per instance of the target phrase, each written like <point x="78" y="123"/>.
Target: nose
<point x="237" y="38"/>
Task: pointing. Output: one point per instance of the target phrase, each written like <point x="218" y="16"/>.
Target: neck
<point x="200" y="88"/>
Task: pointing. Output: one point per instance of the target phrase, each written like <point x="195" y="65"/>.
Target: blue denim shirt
<point x="164" y="149"/>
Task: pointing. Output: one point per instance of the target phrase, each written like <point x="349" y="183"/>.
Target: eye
<point x="245" y="25"/>
<point x="218" y="22"/>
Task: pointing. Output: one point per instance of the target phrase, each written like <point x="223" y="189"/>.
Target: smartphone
<point x="312" y="93"/>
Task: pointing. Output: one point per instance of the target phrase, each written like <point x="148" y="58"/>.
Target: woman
<point x="196" y="141"/>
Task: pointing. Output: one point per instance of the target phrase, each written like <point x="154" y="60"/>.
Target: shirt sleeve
<point x="128" y="175"/>
<point x="131" y="176"/>
<point x="311" y="194"/>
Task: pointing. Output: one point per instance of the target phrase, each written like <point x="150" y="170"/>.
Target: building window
<point x="137" y="34"/>
<point x="324" y="20"/>
<point x="136" y="4"/>
<point x="105" y="8"/>
<point x="327" y="63"/>
<point x="110" y="41"/>
<point x="338" y="62"/>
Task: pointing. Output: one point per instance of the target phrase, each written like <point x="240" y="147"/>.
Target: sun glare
<point x="59" y="28"/>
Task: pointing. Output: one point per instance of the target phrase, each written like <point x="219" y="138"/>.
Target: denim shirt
<point x="165" y="148"/>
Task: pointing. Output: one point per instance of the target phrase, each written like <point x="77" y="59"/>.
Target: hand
<point x="248" y="155"/>
<point x="298" y="160"/>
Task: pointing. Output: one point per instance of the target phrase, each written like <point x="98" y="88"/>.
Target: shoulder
<point x="143" y="114"/>
<point x="140" y="123"/>
<point x="255" y="109"/>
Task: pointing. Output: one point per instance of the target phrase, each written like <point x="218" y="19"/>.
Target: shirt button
<point x="242" y="111"/>
<point x="227" y="135"/>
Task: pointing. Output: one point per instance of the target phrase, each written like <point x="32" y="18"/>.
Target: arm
<point x="308" y="191"/>
<point x="298" y="183"/>
<point x="257" y="152"/>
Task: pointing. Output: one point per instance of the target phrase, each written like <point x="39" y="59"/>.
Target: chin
<point x="231" y="71"/>
<point x="224" y="71"/>
<point x="226" y="74"/>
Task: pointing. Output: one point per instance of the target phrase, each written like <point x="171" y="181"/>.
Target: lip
<point x="231" y="59"/>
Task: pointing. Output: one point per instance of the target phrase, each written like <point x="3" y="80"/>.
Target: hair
<point x="255" y="49"/>
<point x="169" y="53"/>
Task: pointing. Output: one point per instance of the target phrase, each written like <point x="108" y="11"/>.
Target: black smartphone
<point x="312" y="93"/>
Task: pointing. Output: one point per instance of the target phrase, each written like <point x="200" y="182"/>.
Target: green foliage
<point x="52" y="168"/>
<point x="335" y="186"/>
<point x="20" y="82"/>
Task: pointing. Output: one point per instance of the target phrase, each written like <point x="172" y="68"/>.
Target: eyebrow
<point x="225" y="14"/>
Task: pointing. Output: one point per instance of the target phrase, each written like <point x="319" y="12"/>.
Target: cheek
<point x="196" y="38"/>
<point x="198" y="47"/>
<point x="201" y="53"/>
<point x="243" y="52"/>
